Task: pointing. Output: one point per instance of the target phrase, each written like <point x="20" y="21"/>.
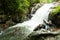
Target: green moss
<point x="55" y="11"/>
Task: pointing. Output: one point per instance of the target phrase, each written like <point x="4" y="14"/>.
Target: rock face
<point x="55" y="16"/>
<point x="15" y="34"/>
<point x="38" y="35"/>
<point x="56" y="19"/>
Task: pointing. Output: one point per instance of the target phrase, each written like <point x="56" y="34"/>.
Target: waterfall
<point x="41" y="14"/>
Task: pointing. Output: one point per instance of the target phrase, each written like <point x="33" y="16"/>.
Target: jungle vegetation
<point x="17" y="11"/>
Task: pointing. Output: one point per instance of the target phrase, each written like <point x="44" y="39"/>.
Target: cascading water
<point x="27" y="27"/>
<point x="41" y="14"/>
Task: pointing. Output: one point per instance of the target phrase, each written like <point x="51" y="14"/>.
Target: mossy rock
<point x="55" y="11"/>
<point x="55" y="16"/>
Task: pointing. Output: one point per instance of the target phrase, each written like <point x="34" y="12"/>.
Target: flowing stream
<point x="41" y="14"/>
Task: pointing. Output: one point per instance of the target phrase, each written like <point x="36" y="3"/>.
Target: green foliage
<point x="49" y="1"/>
<point x="55" y="11"/>
<point x="23" y="5"/>
<point x="33" y="1"/>
<point x="45" y="1"/>
<point x="19" y="8"/>
<point x="10" y="5"/>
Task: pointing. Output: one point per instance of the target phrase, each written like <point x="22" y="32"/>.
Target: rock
<point x="16" y="33"/>
<point x="38" y="35"/>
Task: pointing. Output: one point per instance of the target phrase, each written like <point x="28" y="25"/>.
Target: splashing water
<point x="40" y="15"/>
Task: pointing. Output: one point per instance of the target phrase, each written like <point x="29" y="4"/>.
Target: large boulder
<point x="55" y="16"/>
